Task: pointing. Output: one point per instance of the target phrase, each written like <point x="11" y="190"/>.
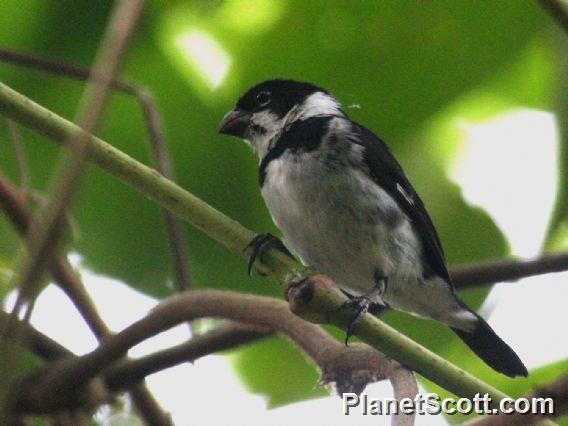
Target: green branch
<point x="326" y="301"/>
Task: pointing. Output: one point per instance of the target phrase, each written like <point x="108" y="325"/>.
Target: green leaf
<point x="261" y="372"/>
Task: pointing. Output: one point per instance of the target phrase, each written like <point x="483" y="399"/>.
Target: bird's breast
<point x="336" y="218"/>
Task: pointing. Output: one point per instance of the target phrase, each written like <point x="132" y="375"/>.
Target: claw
<point x="361" y="305"/>
<point x="260" y="244"/>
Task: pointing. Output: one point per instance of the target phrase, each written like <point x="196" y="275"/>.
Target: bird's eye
<point x="263" y="98"/>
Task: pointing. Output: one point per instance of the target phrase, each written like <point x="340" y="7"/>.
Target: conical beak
<point x="235" y="123"/>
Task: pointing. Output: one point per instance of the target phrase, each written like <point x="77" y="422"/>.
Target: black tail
<point x="491" y="349"/>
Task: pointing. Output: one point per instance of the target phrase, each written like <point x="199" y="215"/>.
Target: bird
<point x="345" y="206"/>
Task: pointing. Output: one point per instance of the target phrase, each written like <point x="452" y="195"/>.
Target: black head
<point x="279" y="96"/>
<point x="268" y="101"/>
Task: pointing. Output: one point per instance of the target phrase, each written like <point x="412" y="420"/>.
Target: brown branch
<point x="58" y="68"/>
<point x="43" y="237"/>
<point x="38" y="343"/>
<point x="158" y="145"/>
<point x="13" y="204"/>
<point x="350" y="368"/>
<point x="557" y="390"/>
<point x="126" y="372"/>
<point x="129" y="373"/>
<point x="558" y="10"/>
<point x="229" y="336"/>
<point x="404" y="385"/>
<point x="465" y="277"/>
<point x="174" y="227"/>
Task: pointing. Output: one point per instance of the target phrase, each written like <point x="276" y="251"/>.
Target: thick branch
<point x="236" y="237"/>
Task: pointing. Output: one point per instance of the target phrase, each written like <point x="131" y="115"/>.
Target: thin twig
<point x="42" y="237"/>
<point x="174" y="228"/>
<point x="12" y="202"/>
<point x="58" y="68"/>
<point x="558" y="10"/>
<point x="65" y="180"/>
<point x="465" y="277"/>
<point x="224" y="337"/>
<point x="21" y="158"/>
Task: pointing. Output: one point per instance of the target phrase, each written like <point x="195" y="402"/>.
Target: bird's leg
<point x="361" y="304"/>
<point x="260" y="244"/>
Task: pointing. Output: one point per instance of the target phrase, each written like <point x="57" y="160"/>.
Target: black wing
<point x="388" y="173"/>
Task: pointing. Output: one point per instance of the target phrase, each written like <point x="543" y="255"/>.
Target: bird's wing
<point x="387" y="172"/>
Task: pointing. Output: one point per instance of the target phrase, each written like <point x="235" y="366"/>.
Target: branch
<point x="14" y="205"/>
<point x="558" y="10"/>
<point x="158" y="145"/>
<point x="117" y="35"/>
<point x="174" y="227"/>
<point x="65" y="180"/>
<point x="57" y="68"/>
<point x="404" y="385"/>
<point x="507" y="270"/>
<point x="37" y="342"/>
<point x="127" y="372"/>
<point x="557" y="390"/>
<point x="12" y="202"/>
<point x="234" y="236"/>
<point x="20" y="153"/>
<point x="350" y="368"/>
<point x="46" y="234"/>
<point x="131" y="373"/>
<point x="229" y="336"/>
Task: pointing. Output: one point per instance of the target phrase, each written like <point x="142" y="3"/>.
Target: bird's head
<point x="267" y="108"/>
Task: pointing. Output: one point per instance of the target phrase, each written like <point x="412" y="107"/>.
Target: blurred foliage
<point x="405" y="65"/>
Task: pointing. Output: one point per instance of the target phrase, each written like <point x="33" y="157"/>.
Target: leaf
<point x="257" y="368"/>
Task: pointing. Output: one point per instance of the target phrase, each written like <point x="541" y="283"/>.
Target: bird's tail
<point x="492" y="349"/>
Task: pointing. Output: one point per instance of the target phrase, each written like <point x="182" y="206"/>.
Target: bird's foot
<point x="260" y="244"/>
<point x="361" y="306"/>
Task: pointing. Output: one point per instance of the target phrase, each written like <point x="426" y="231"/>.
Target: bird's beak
<point x="235" y="123"/>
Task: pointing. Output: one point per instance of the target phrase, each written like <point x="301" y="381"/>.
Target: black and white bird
<point x="346" y="207"/>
